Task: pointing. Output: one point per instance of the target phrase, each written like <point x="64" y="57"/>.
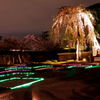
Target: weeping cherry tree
<point x="74" y="25"/>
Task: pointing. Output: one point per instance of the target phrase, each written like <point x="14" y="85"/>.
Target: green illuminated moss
<point x="27" y="84"/>
<point x="43" y="66"/>
<point x="9" y="79"/>
<point x="16" y="68"/>
<point x="70" y="66"/>
<point x="23" y="85"/>
<point x="91" y="66"/>
<point x="18" y="73"/>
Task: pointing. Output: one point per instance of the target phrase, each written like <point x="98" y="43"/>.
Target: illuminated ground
<point x="14" y="82"/>
<point x="58" y="84"/>
<point x="75" y="84"/>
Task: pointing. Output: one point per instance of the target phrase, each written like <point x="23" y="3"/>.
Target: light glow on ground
<point x="36" y="80"/>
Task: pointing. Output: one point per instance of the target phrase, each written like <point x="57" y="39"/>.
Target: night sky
<point x="19" y="17"/>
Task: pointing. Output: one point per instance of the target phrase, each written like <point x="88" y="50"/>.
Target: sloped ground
<point x="72" y="84"/>
<point x="82" y="85"/>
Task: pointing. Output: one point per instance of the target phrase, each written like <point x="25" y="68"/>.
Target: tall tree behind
<point x="95" y="10"/>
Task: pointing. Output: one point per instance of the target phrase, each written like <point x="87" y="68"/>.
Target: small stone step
<point x="99" y="52"/>
<point x="96" y="59"/>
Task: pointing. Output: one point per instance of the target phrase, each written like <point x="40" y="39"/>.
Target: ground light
<point x="19" y="69"/>
<point x="77" y="65"/>
<point x="23" y="71"/>
<point x="70" y="67"/>
<point x="43" y="66"/>
<point x="81" y="66"/>
<point x="27" y="84"/>
<point x="25" y="67"/>
<point x="16" y="68"/>
<point x="91" y="66"/>
<point x="36" y="80"/>
<point x="18" y="73"/>
<point x="9" y="79"/>
<point x="9" y="71"/>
